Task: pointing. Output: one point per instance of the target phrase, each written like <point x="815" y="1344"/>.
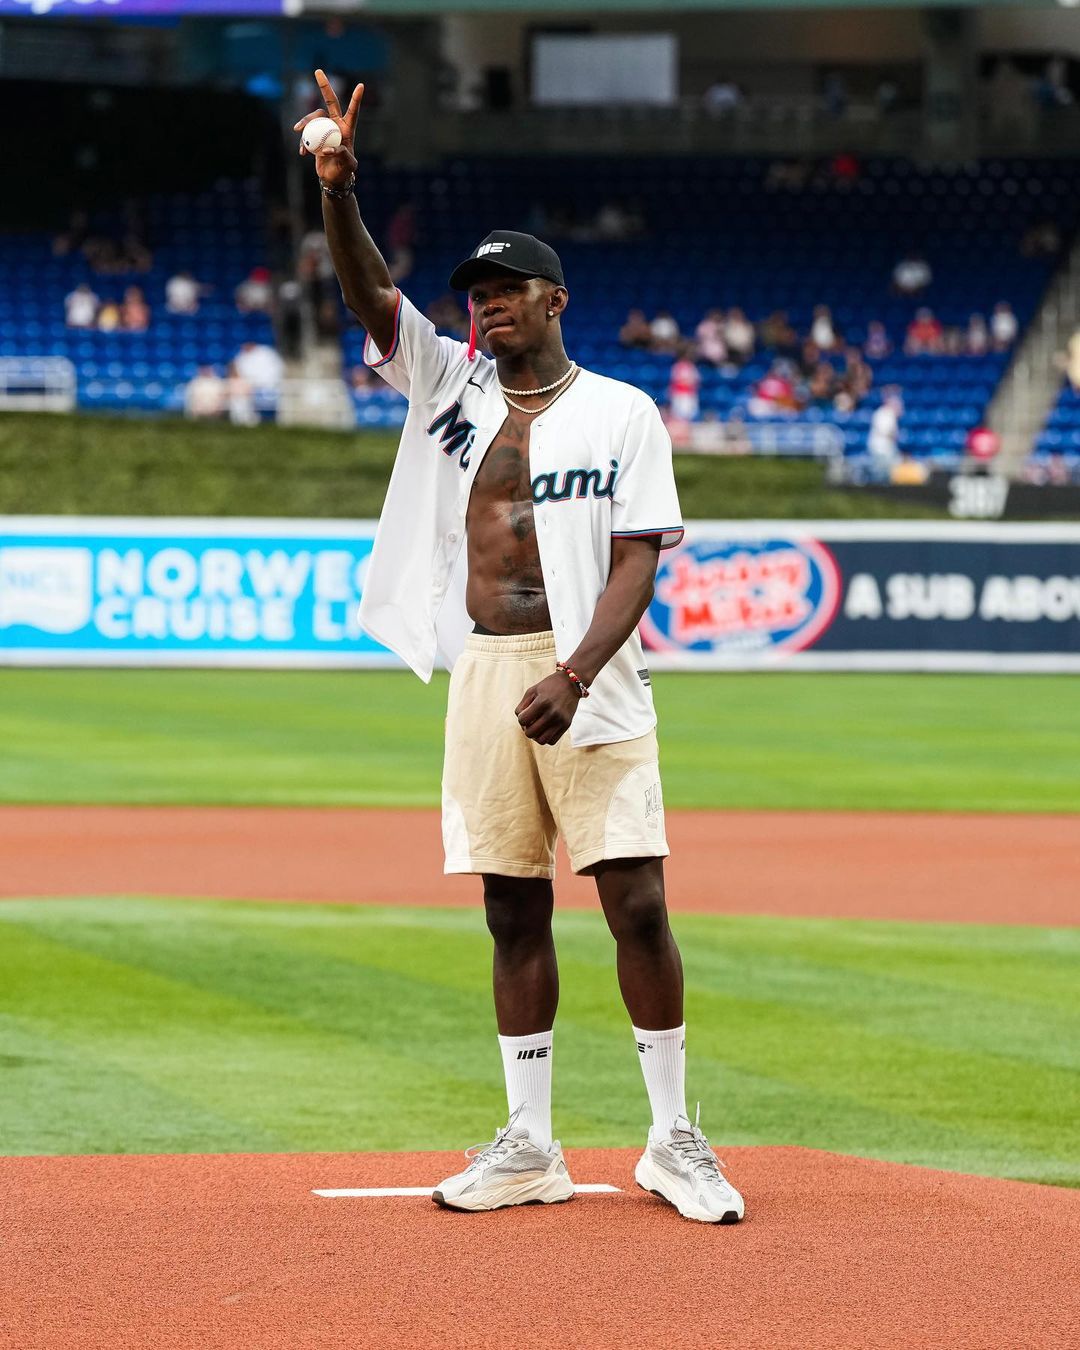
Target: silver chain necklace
<point x="544" y="388"/>
<point x="531" y="412"/>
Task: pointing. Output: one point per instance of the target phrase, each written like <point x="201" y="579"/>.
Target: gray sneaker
<point x="511" y="1170"/>
<point x="682" y="1169"/>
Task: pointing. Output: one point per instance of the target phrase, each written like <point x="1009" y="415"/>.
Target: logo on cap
<point x="490" y="248"/>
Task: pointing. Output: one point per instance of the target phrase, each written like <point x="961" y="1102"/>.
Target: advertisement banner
<point x="734" y="595"/>
<point x="83" y="591"/>
<point x="847" y="595"/>
<point x="120" y="9"/>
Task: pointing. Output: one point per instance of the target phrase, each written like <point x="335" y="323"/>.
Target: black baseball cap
<point x="522" y="254"/>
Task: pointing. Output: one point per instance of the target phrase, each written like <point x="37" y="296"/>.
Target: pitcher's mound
<point x="235" y="1250"/>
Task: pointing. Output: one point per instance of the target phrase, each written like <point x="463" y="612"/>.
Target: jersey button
<point x="451" y="538"/>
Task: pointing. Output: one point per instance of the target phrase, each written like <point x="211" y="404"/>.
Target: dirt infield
<point x="987" y="868"/>
<point x="106" y="1253"/>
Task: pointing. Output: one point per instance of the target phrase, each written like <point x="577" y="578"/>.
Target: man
<point x="532" y="498"/>
<point x="81" y="307"/>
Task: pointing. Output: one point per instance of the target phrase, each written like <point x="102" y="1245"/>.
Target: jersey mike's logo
<point x="457" y="433"/>
<point x="730" y="595"/>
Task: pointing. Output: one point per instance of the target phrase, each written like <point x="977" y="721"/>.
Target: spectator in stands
<point x="205" y="395"/>
<point x="977" y="341"/>
<point x="664" y="330"/>
<point x="820" y="387"/>
<point x="109" y="317"/>
<point x="255" y="295"/>
<point x="134" y="312"/>
<point x="777" y="335"/>
<point x="722" y="98"/>
<point x="363" y="382"/>
<point x="835" y="95"/>
<point x="81" y="307"/>
<point x="1042" y="240"/>
<point x="183" y="293"/>
<point x="289" y="318"/>
<point x="855" y="382"/>
<point x="106" y="257"/>
<point x="740" y="337"/>
<point x="775" y="393"/>
<point x="884" y="438"/>
<point x="134" y="255"/>
<point x="909" y="472"/>
<point x="1003" y="326"/>
<point x="823" y="331"/>
<point x="401" y="240"/>
<point x="684" y="386"/>
<point x="787" y="175"/>
<point x="1052" y="90"/>
<point x="877" y="345"/>
<point x="982" y="446"/>
<point x="71" y="240"/>
<point x="886" y="98"/>
<point x="240" y="399"/>
<point x="736" y="437"/>
<point x="844" y="169"/>
<point x="1070" y="361"/>
<point x="615" y="223"/>
<point x="809" y="358"/>
<point x="953" y="341"/>
<point x="446" y="314"/>
<point x="636" y="331"/>
<point x="911" y="275"/>
<point x="259" y="365"/>
<point x="924" y="335"/>
<point x="709" y="337"/>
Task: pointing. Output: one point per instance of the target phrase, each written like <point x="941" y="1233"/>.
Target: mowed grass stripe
<point x="254" y="1038"/>
<point x="340" y="1028"/>
<point x="374" y="738"/>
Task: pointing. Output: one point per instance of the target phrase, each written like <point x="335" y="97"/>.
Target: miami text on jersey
<point x="575" y="483"/>
<point x="457" y="434"/>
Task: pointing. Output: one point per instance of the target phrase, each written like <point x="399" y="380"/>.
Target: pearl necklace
<point x="544" y="388"/>
<point x="531" y="412"/>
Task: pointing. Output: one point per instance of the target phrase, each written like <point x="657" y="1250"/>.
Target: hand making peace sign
<point x="335" y="167"/>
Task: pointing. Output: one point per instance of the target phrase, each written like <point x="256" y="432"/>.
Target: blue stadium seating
<point x="1059" y="440"/>
<point x="718" y="235"/>
<point x="218" y="235"/>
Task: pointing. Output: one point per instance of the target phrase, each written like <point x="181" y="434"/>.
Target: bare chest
<point x="502" y="488"/>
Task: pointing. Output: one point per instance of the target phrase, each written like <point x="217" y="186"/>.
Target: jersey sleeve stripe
<point x="374" y="365"/>
<point x="676" y="531"/>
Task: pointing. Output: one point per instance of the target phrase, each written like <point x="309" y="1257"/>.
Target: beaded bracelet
<point x="576" y="680"/>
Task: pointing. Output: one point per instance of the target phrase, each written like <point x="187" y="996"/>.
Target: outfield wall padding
<point x="734" y="595"/>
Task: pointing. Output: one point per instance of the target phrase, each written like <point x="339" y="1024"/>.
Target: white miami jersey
<point x="600" y="465"/>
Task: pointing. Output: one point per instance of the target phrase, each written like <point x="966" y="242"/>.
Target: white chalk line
<point x="371" y="1192"/>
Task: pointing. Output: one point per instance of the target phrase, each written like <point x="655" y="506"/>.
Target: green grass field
<point x="146" y="1026"/>
<point x="172" y="1026"/>
<point x="59" y="465"/>
<point x="873" y="742"/>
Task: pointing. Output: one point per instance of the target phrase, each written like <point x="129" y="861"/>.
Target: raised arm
<point x="361" y="269"/>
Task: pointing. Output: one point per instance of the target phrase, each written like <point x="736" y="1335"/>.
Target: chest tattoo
<point x="504" y="475"/>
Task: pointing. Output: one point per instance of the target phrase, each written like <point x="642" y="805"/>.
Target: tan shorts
<point x="506" y="799"/>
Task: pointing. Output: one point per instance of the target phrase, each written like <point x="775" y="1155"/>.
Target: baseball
<point x="321" y="134"/>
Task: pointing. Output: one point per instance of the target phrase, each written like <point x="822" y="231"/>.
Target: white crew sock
<point x="527" y="1066"/>
<point x="663" y="1062"/>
